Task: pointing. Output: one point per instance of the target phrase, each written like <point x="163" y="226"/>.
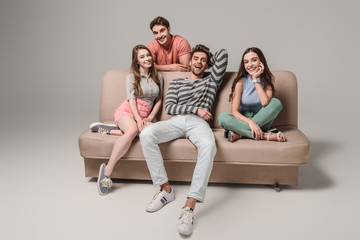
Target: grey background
<point x="53" y="55"/>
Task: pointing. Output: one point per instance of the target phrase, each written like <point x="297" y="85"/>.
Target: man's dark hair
<point x="159" y="21"/>
<point x="201" y="48"/>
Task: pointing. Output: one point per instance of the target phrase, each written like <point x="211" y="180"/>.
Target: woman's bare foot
<point x="232" y="137"/>
<point x="277" y="137"/>
<point x="117" y="132"/>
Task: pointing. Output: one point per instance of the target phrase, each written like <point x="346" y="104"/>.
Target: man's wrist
<point x="195" y="111"/>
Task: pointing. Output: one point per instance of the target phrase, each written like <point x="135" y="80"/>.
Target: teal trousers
<point x="263" y="118"/>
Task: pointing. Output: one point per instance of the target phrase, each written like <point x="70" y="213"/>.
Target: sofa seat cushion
<point x="295" y="151"/>
<point x="95" y="145"/>
<point x="244" y="151"/>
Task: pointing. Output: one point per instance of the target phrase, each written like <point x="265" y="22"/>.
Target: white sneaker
<point x="185" y="222"/>
<point x="160" y="199"/>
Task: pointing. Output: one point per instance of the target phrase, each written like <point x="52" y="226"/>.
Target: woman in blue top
<point x="253" y="106"/>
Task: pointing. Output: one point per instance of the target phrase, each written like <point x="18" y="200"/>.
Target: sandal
<point x="278" y="135"/>
<point x="232" y="137"/>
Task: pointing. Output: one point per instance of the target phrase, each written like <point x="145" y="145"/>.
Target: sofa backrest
<point x="113" y="93"/>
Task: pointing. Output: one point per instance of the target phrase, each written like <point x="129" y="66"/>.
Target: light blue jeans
<point x="187" y="126"/>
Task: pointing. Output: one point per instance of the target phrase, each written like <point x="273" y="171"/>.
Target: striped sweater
<point x="187" y="96"/>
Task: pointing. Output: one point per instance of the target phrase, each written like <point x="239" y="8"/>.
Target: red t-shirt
<point x="179" y="46"/>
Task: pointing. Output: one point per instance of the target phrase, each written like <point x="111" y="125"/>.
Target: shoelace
<point x="186" y="216"/>
<point x="103" y="130"/>
<point x="156" y="195"/>
<point x="106" y="182"/>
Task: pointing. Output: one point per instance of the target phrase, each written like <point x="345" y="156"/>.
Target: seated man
<point x="170" y="52"/>
<point x="190" y="101"/>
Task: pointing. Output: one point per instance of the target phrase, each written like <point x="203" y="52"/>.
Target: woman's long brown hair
<point x="265" y="77"/>
<point x="135" y="69"/>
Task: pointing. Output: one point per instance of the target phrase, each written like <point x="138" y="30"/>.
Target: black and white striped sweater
<point x="186" y="96"/>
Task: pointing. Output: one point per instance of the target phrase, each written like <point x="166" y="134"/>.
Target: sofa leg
<point x="277" y="187"/>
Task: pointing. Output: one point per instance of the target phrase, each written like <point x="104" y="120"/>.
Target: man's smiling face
<point x="162" y="35"/>
<point x="198" y="63"/>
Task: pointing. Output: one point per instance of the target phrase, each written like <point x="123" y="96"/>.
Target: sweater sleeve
<point x="218" y="64"/>
<point x="171" y="103"/>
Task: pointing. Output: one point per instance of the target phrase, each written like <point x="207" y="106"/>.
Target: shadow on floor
<point x="311" y="175"/>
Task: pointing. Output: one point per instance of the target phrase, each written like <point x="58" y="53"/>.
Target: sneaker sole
<point x="183" y="233"/>
<point x="161" y="207"/>
<point x="152" y="211"/>
<point x="98" y="182"/>
<point x="100" y="123"/>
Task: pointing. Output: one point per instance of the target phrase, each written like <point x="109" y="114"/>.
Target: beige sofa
<point x="244" y="161"/>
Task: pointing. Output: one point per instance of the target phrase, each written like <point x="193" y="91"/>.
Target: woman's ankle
<point x="107" y="172"/>
<point x="234" y="136"/>
<point x="273" y="137"/>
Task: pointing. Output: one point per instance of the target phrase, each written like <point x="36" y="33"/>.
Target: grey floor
<point x="46" y="196"/>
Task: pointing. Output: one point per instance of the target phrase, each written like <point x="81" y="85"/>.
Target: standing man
<point x="190" y="101"/>
<point x="170" y="52"/>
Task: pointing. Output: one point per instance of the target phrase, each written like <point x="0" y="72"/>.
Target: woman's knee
<point x="132" y="132"/>
<point x="223" y="118"/>
<point x="276" y="103"/>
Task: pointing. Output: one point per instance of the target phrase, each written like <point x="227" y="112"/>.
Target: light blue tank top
<point x="250" y="101"/>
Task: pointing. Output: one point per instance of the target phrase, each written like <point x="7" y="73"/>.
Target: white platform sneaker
<point x="185" y="222"/>
<point x="159" y="200"/>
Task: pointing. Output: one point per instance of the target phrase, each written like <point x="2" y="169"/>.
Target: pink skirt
<point x="143" y="108"/>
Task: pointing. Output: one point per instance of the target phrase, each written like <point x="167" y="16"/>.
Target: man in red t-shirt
<point x="170" y="52"/>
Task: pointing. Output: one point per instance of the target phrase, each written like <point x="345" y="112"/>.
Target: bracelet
<point x="256" y="80"/>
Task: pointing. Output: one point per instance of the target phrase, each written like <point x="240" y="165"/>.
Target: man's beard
<point x="197" y="74"/>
